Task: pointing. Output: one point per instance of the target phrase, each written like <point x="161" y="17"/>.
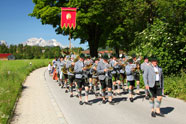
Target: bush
<point x="157" y="40"/>
<point x="175" y="86"/>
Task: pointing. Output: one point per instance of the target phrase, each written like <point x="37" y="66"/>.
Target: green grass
<point x="12" y="75"/>
<point x="175" y="86"/>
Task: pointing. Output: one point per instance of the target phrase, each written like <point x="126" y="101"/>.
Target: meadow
<point x="12" y="75"/>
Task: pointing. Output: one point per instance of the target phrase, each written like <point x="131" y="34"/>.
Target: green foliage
<point x="175" y="86"/>
<point x="3" y="49"/>
<point x="127" y="21"/>
<point x="77" y="50"/>
<point x="145" y="26"/>
<point x="12" y="75"/>
<point x="157" y="40"/>
<point x="95" y="19"/>
<point x="35" y="52"/>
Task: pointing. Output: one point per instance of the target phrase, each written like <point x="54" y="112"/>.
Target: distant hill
<point x="43" y="43"/>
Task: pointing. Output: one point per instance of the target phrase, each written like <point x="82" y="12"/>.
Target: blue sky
<point x="16" y="26"/>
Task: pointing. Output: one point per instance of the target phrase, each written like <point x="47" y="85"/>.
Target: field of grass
<point x="175" y="86"/>
<point x="12" y="75"/>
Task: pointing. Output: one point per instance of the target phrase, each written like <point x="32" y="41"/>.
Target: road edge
<point x="58" y="111"/>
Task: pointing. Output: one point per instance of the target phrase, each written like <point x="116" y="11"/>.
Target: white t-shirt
<point x="49" y="67"/>
<point x="157" y="73"/>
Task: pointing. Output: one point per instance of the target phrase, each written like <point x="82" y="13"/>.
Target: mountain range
<point x="41" y="42"/>
<point x="3" y="42"/>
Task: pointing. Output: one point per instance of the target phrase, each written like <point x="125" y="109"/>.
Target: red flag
<point x="68" y="17"/>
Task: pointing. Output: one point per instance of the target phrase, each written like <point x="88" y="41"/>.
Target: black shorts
<point x="65" y="76"/>
<point x="105" y="84"/>
<point x="156" y="90"/>
<point x="137" y="76"/>
<point x="109" y="83"/>
<point x="81" y="82"/>
<point x="131" y="83"/>
<point x="115" y="77"/>
<point x="89" y="75"/>
<point x="71" y="78"/>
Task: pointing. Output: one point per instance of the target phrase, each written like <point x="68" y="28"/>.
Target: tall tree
<point x="93" y="24"/>
<point x="128" y="17"/>
<point x="165" y="36"/>
<point x="12" y="49"/>
<point x="3" y="48"/>
<point x="28" y="53"/>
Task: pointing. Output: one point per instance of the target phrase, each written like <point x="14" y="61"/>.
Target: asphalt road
<point x="123" y="112"/>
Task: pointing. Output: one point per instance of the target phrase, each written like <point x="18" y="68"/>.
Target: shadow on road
<point x="24" y="87"/>
<point x="166" y="110"/>
<point x="139" y="97"/>
<point x="118" y="100"/>
<point x="124" y="93"/>
<point x="142" y="92"/>
<point x="96" y="100"/>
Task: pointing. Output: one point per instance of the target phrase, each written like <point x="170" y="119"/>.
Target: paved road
<point x="123" y="112"/>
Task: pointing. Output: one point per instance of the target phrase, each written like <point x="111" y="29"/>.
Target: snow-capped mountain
<point x="3" y="42"/>
<point x="41" y="42"/>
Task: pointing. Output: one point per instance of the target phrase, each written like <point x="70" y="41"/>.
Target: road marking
<point x="58" y="111"/>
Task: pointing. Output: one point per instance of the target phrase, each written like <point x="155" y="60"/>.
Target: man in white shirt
<point x="154" y="82"/>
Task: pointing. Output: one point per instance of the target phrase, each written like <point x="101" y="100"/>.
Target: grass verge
<point x="175" y="86"/>
<point x="12" y="75"/>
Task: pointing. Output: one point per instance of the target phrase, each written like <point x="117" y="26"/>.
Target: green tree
<point x="3" y="48"/>
<point x="93" y="23"/>
<point x="157" y="40"/>
<point x="128" y="17"/>
<point x="56" y="51"/>
<point x="37" y="52"/>
<point x="28" y="53"/>
<point x="12" y="49"/>
<point x="165" y="36"/>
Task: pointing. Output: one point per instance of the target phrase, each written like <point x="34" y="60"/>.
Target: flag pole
<point x="69" y="36"/>
<point x="69" y="40"/>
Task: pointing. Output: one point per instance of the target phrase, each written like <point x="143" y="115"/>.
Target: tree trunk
<point x="117" y="51"/>
<point x="93" y="41"/>
<point x="93" y="46"/>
